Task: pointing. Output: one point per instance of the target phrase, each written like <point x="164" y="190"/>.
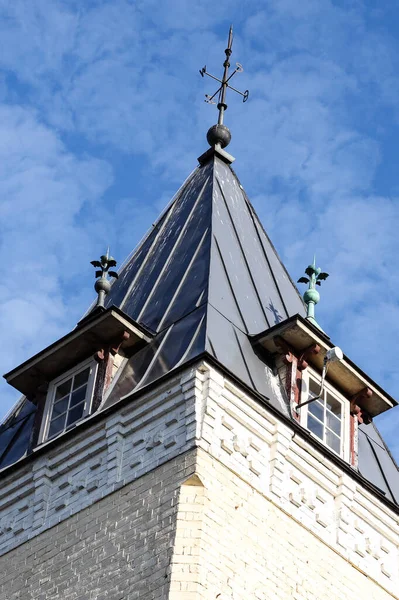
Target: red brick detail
<point x="116" y="344"/>
<point x="295" y="365"/>
<point x="353" y="440"/>
<point x="355" y="406"/>
<point x="305" y="356"/>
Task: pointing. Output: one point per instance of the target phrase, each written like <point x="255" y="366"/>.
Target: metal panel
<point x="193" y="290"/>
<point x="221" y="335"/>
<point x="164" y="246"/>
<point x="289" y="295"/>
<point x="134" y="370"/>
<point x="15" y="433"/>
<point x="375" y="462"/>
<point x="236" y="269"/>
<point x="180" y="342"/>
<point x="121" y="285"/>
<point x="256" y="262"/>
<point x="180" y="262"/>
<point x="221" y="295"/>
<point x="369" y="466"/>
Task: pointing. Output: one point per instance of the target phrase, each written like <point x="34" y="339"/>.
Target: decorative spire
<point x="220" y="134"/>
<point x="311" y="296"/>
<point x="103" y="285"/>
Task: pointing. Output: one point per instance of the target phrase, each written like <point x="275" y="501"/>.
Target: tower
<point x="193" y="436"/>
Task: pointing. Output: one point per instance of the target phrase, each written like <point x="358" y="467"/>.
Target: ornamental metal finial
<point x="220" y="134"/>
<point x="103" y="285"/>
<point x="311" y="296"/>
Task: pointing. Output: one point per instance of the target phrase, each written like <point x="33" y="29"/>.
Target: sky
<point x="102" y="118"/>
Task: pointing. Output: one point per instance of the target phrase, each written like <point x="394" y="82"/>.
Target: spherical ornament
<point x="102" y="285"/>
<point x="219" y="134"/>
<point x="311" y="296"/>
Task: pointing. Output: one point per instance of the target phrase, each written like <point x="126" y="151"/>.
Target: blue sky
<point x="102" y="118"/>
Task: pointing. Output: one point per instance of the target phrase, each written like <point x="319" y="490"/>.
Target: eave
<point x="299" y="334"/>
<point x="92" y="334"/>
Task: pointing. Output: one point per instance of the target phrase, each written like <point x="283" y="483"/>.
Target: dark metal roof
<point x="204" y="278"/>
<point x="15" y="432"/>
<point x="376" y="462"/>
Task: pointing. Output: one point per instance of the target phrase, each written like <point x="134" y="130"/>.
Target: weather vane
<point x="103" y="285"/>
<point x="220" y="134"/>
<point x="311" y="297"/>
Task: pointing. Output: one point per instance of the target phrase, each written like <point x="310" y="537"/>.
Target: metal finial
<point x="311" y="297"/>
<point x="103" y="285"/>
<point x="220" y="134"/>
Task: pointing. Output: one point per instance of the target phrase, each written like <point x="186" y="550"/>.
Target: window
<point x="69" y="399"/>
<point x="328" y="416"/>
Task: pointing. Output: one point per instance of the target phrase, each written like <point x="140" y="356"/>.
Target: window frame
<point x="308" y="375"/>
<point x="44" y="429"/>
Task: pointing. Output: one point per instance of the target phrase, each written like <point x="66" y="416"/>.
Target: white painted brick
<point x="270" y="518"/>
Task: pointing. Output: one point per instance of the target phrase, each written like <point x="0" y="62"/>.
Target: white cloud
<point x="99" y="81"/>
<point x="43" y="189"/>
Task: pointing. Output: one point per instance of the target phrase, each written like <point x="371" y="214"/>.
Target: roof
<point x="205" y="279"/>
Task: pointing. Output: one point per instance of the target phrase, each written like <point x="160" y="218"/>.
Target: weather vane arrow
<point x="219" y="134"/>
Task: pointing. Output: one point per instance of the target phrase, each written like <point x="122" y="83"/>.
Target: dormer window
<point x="327" y="417"/>
<point x="68" y="400"/>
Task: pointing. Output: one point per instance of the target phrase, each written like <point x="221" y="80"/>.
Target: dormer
<point x="67" y="380"/>
<point x="331" y="409"/>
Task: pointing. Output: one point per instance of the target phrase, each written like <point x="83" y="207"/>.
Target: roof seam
<point x="168" y="214"/>
<point x="172" y="252"/>
<point x="230" y="284"/>
<point x="243" y="359"/>
<point x="179" y="287"/>
<point x="242" y="252"/>
<point x="382" y="470"/>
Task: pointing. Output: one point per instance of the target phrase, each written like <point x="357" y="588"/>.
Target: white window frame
<point x="43" y="436"/>
<point x="308" y="374"/>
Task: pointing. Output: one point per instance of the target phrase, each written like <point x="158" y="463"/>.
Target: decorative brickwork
<point x="194" y="490"/>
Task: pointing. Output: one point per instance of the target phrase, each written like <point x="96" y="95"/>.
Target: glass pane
<point x="63" y="390"/>
<point x="317" y="410"/>
<point x="75" y="414"/>
<point x="333" y="441"/>
<point x="59" y="408"/>
<point x="315" y="426"/>
<point x="81" y="378"/>
<point x="334" y="405"/>
<point x="56" y="426"/>
<point x="314" y="388"/>
<point x="78" y="396"/>
<point x="333" y="422"/>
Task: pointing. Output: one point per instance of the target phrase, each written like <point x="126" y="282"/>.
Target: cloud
<point x="92" y="89"/>
<point x="43" y="188"/>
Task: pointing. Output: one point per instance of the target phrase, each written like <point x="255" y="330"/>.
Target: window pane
<point x="75" y="414"/>
<point x="81" y="378"/>
<point x="315" y="426"/>
<point x="63" y="390"/>
<point x="314" y="388"/>
<point x="333" y="422"/>
<point x="78" y="396"/>
<point x="59" y="408"/>
<point x="333" y="441"/>
<point x="317" y="410"/>
<point x="56" y="426"/>
<point x="334" y="405"/>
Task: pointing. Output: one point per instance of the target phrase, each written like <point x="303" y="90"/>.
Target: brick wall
<point x="251" y="549"/>
<point x="194" y="491"/>
<point x="118" y="548"/>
